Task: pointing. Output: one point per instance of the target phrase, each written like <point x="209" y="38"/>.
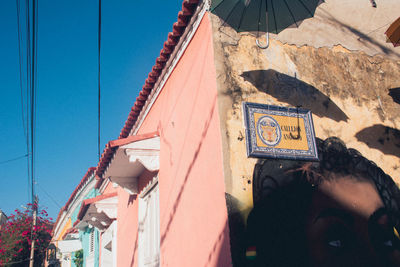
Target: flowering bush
<point x="16" y="237"/>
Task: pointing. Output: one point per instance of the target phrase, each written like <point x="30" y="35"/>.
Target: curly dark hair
<point x="282" y="193"/>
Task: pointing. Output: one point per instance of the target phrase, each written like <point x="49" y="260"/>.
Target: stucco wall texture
<point x="337" y="64"/>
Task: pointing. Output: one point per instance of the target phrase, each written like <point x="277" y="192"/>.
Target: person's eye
<point x="335" y="243"/>
<point x="388" y="243"/>
<point x="337" y="237"/>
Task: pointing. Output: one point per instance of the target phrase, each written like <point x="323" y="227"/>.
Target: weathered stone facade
<point x="350" y="85"/>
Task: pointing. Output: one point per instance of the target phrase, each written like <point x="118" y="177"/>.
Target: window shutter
<point x="91" y="243"/>
<point x="149" y="229"/>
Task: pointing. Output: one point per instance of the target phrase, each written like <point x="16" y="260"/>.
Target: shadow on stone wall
<point x="395" y="94"/>
<point x="294" y="92"/>
<point x="236" y="231"/>
<point x="381" y="137"/>
<point x="363" y="38"/>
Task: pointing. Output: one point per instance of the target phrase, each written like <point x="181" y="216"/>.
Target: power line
<point x="36" y="61"/>
<point x="99" y="91"/>
<point x="51" y="198"/>
<point x="14" y="159"/>
<point x="33" y="97"/>
<point x="20" y="67"/>
<point x="24" y="100"/>
<point x="29" y="96"/>
<point x="27" y="42"/>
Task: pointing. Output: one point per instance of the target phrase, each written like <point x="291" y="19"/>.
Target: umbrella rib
<point x="273" y="12"/>
<point x="230" y="13"/>
<point x="309" y="12"/>
<point x="217" y="6"/>
<point x="241" y="18"/>
<point x="290" y="11"/>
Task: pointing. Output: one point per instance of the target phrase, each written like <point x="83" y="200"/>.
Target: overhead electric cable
<point x="36" y="42"/>
<point x="36" y="2"/>
<point x="99" y="91"/>
<point x="32" y="69"/>
<point x="20" y="68"/>
<point x="23" y="91"/>
<point x="28" y="93"/>
<point x="31" y="84"/>
<point x="51" y="198"/>
<point x="14" y="159"/>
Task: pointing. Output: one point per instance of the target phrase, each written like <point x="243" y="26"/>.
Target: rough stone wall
<point x="353" y="94"/>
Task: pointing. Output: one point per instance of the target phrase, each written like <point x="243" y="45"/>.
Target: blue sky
<point x="133" y="32"/>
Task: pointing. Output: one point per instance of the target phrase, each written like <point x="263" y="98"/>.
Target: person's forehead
<point x="356" y="196"/>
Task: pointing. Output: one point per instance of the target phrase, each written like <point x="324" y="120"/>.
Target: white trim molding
<point x="131" y="160"/>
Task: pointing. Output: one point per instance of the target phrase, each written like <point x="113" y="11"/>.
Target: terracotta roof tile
<point x="83" y="181"/>
<point x="178" y="28"/>
<point x="85" y="178"/>
<point x="184" y="16"/>
<point x="132" y="138"/>
<point x="87" y="202"/>
<point x="76" y="223"/>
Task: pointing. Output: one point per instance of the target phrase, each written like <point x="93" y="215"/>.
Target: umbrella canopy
<point x="251" y="15"/>
<point x="393" y="33"/>
<point x="264" y="15"/>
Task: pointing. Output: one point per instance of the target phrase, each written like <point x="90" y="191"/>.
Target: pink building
<point x="166" y="168"/>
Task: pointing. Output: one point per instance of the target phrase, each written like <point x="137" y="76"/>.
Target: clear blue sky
<point x="133" y="32"/>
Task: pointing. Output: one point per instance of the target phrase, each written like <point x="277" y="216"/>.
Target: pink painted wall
<point x="109" y="189"/>
<point x="193" y="214"/>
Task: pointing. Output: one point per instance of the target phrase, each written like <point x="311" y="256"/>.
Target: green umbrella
<point x="264" y="15"/>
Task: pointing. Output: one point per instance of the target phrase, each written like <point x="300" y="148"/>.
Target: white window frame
<point x="109" y="236"/>
<point x="149" y="226"/>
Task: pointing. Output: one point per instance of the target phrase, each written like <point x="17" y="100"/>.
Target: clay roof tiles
<point x="178" y="28"/>
<point x="184" y="16"/>
<point x="87" y="202"/>
<point x="83" y="181"/>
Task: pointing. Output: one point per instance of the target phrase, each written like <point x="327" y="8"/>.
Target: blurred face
<point x="348" y="226"/>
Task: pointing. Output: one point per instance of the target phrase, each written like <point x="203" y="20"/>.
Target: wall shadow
<point x="361" y="37"/>
<point x="237" y="236"/>
<point x="187" y="175"/>
<point x="381" y="137"/>
<point x="294" y="92"/>
<point x="395" y="94"/>
<point x="220" y="250"/>
<point x="131" y="199"/>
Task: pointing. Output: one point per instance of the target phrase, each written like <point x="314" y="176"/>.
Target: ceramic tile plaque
<point x="279" y="132"/>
